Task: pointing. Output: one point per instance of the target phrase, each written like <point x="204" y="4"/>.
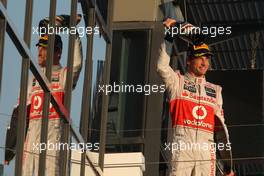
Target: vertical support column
<point x="65" y="155"/>
<point x="106" y="78"/>
<point x="2" y="43"/>
<point x="152" y="143"/>
<point x="45" y="117"/>
<point x="22" y="113"/>
<point x="87" y="84"/>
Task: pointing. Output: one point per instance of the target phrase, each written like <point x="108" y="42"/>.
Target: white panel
<point x="117" y="164"/>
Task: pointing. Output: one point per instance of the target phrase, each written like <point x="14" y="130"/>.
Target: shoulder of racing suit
<point x="176" y="83"/>
<point x="58" y="84"/>
<point x="59" y="73"/>
<point x="188" y="94"/>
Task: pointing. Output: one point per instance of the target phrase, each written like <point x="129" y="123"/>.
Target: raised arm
<point x="168" y="75"/>
<point x="77" y="62"/>
<point x="163" y="65"/>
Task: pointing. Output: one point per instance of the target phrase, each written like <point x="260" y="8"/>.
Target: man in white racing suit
<point x="36" y="100"/>
<point x="194" y="103"/>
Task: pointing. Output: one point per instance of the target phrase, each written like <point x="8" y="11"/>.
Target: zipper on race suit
<point x="199" y="104"/>
<point x="197" y="129"/>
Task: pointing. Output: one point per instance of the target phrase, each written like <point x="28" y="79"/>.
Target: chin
<point x="200" y="74"/>
<point x="42" y="64"/>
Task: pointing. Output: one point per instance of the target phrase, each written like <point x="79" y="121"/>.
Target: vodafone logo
<point x="37" y="102"/>
<point x="199" y="112"/>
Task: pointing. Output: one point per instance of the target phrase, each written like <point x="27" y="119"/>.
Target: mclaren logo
<point x="199" y="112"/>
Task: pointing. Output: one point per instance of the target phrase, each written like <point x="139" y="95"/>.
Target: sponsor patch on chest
<point x="210" y="92"/>
<point x="55" y="79"/>
<point x="34" y="82"/>
<point x="190" y="88"/>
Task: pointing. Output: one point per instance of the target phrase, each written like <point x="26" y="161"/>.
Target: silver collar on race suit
<point x="195" y="79"/>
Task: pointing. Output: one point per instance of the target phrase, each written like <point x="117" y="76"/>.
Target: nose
<point x="40" y="48"/>
<point x="204" y="60"/>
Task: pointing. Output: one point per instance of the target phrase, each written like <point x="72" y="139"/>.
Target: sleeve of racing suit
<point x="77" y="62"/>
<point x="10" y="143"/>
<point x="219" y="112"/>
<point x="221" y="133"/>
<point x="167" y="74"/>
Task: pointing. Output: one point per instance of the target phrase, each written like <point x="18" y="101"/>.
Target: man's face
<point x="42" y="56"/>
<point x="198" y="66"/>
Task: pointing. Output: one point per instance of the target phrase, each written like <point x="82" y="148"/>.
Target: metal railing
<point x="91" y="15"/>
<point x="2" y="41"/>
